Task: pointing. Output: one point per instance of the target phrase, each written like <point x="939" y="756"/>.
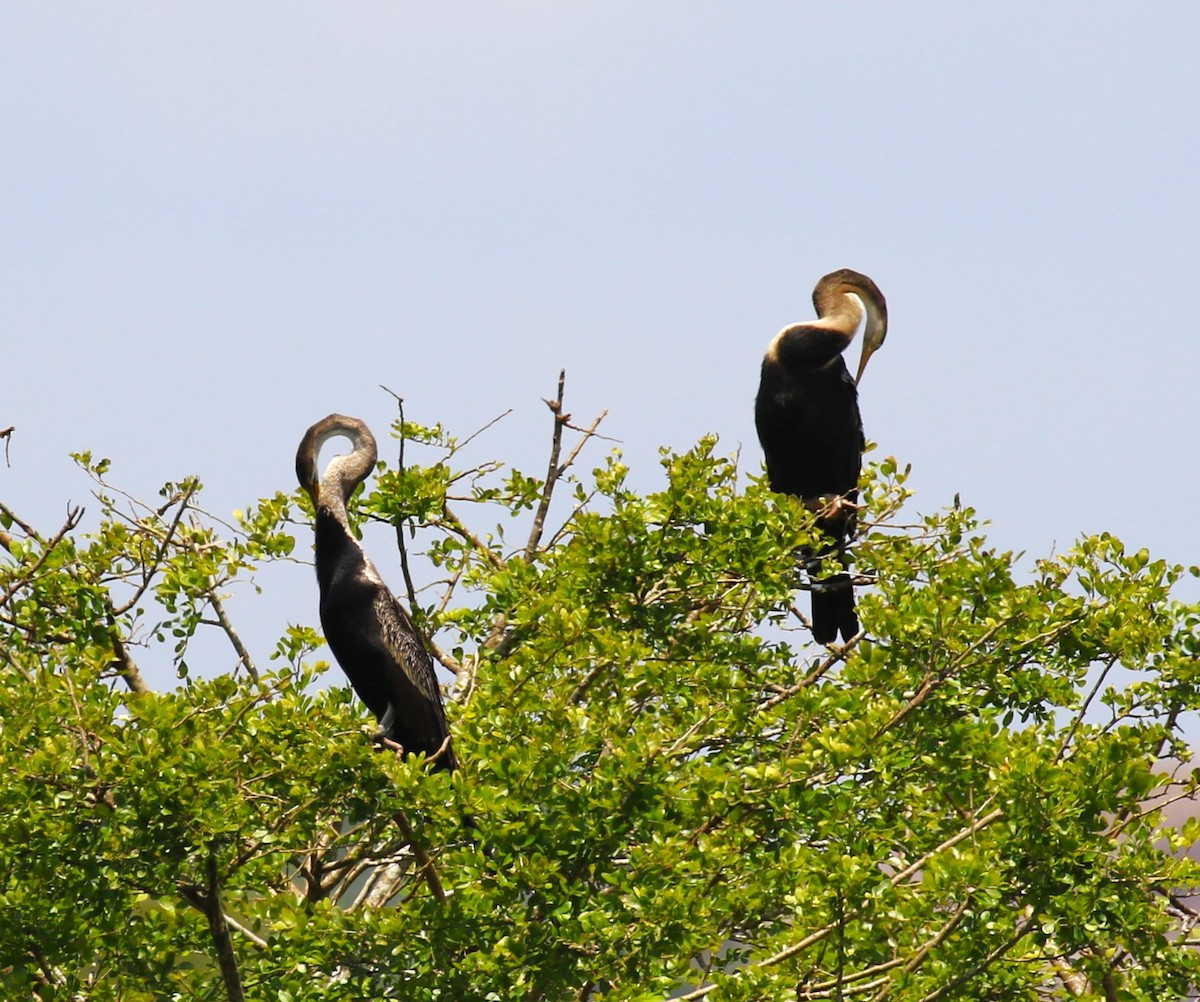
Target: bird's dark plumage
<point x="369" y="632"/>
<point x="808" y="422"/>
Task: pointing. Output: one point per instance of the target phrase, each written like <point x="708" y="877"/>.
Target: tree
<point x="673" y="792"/>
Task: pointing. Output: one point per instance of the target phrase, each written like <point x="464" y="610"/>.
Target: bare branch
<point x="837" y="653"/>
<point x="248" y="933"/>
<point x="122" y="660"/>
<point x="6" y="434"/>
<point x="1087" y="702"/>
<point x="923" y="951"/>
<point x="479" y="431"/>
<point x="983" y="965"/>
<point x="554" y="469"/>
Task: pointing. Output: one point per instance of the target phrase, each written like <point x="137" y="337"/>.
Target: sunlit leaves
<point x="667" y="783"/>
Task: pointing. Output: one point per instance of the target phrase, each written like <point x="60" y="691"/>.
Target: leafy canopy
<point x="672" y="791"/>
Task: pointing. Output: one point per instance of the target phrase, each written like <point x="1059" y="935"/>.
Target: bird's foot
<point x="442" y="749"/>
<point x="381" y="738"/>
<point x="831" y="506"/>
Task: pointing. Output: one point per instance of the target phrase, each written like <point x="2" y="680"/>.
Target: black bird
<point x="811" y="431"/>
<point x="368" y="631"/>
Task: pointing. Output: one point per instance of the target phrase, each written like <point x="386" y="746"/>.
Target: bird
<point x="370" y="634"/>
<point x="808" y="422"/>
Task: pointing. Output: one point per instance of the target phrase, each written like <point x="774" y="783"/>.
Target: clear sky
<point x="220" y="222"/>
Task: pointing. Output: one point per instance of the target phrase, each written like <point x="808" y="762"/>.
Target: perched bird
<point x="811" y="431"/>
<point x="369" y="632"/>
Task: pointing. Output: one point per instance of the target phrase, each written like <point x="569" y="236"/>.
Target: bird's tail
<point x="833" y="609"/>
<point x="833" y="596"/>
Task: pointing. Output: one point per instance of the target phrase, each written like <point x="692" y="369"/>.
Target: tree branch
<point x="552" y="470"/>
<point x="398" y="525"/>
<point x="149" y="570"/>
<point x="73" y="517"/>
<point x="426" y="868"/>
<point x="122" y="660"/>
<point x="814" y="676"/>
<point x="983" y="965"/>
<point x="226" y="625"/>
<point x="555" y="470"/>
<point x="219" y="927"/>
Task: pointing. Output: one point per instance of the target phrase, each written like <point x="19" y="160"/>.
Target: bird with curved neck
<point x="809" y="425"/>
<point x="370" y="634"/>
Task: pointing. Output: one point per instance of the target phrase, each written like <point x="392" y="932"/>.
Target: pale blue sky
<point x="220" y="222"/>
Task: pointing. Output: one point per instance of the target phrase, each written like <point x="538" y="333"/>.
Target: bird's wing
<point x="405" y="646"/>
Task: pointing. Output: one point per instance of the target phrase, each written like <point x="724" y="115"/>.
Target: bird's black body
<point x="369" y="632"/>
<point x="808" y="422"/>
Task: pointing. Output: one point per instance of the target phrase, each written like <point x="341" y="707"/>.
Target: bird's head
<point x="875" y="306"/>
<point x="347" y="472"/>
<point x="852" y="294"/>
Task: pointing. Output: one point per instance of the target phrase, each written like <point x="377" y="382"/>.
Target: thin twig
<point x="458" y="446"/>
<point x="895" y="880"/>
<point x="1075" y="724"/>
<point x="452" y="522"/>
<point x="552" y="470"/>
<point x="148" y="571"/>
<point x="448" y="660"/>
<point x="226" y="625"/>
<point x="72" y="520"/>
<point x="399" y="523"/>
<point x="6" y="434"/>
<point x="836" y="654"/>
<point x="24" y="526"/>
<point x="923" y="951"/>
<point x="984" y="964"/>
<point x="555" y="469"/>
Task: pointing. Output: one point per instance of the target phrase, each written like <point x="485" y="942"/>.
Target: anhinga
<point x="811" y="431"/>
<point x="368" y="631"/>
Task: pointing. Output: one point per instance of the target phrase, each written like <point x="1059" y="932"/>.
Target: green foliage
<point x="670" y="789"/>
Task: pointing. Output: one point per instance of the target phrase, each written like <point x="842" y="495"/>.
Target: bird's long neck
<point x="339" y="555"/>
<point x="816" y="343"/>
<point x="838" y="310"/>
<point x="333" y="500"/>
<point x="343" y="475"/>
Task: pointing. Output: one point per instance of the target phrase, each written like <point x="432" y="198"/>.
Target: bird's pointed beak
<point x="867" y="351"/>
<point x="873" y="337"/>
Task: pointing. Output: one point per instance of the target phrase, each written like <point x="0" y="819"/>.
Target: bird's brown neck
<point x="839" y="311"/>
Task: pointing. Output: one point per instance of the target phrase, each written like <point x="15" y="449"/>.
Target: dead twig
<point x="554" y="469"/>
